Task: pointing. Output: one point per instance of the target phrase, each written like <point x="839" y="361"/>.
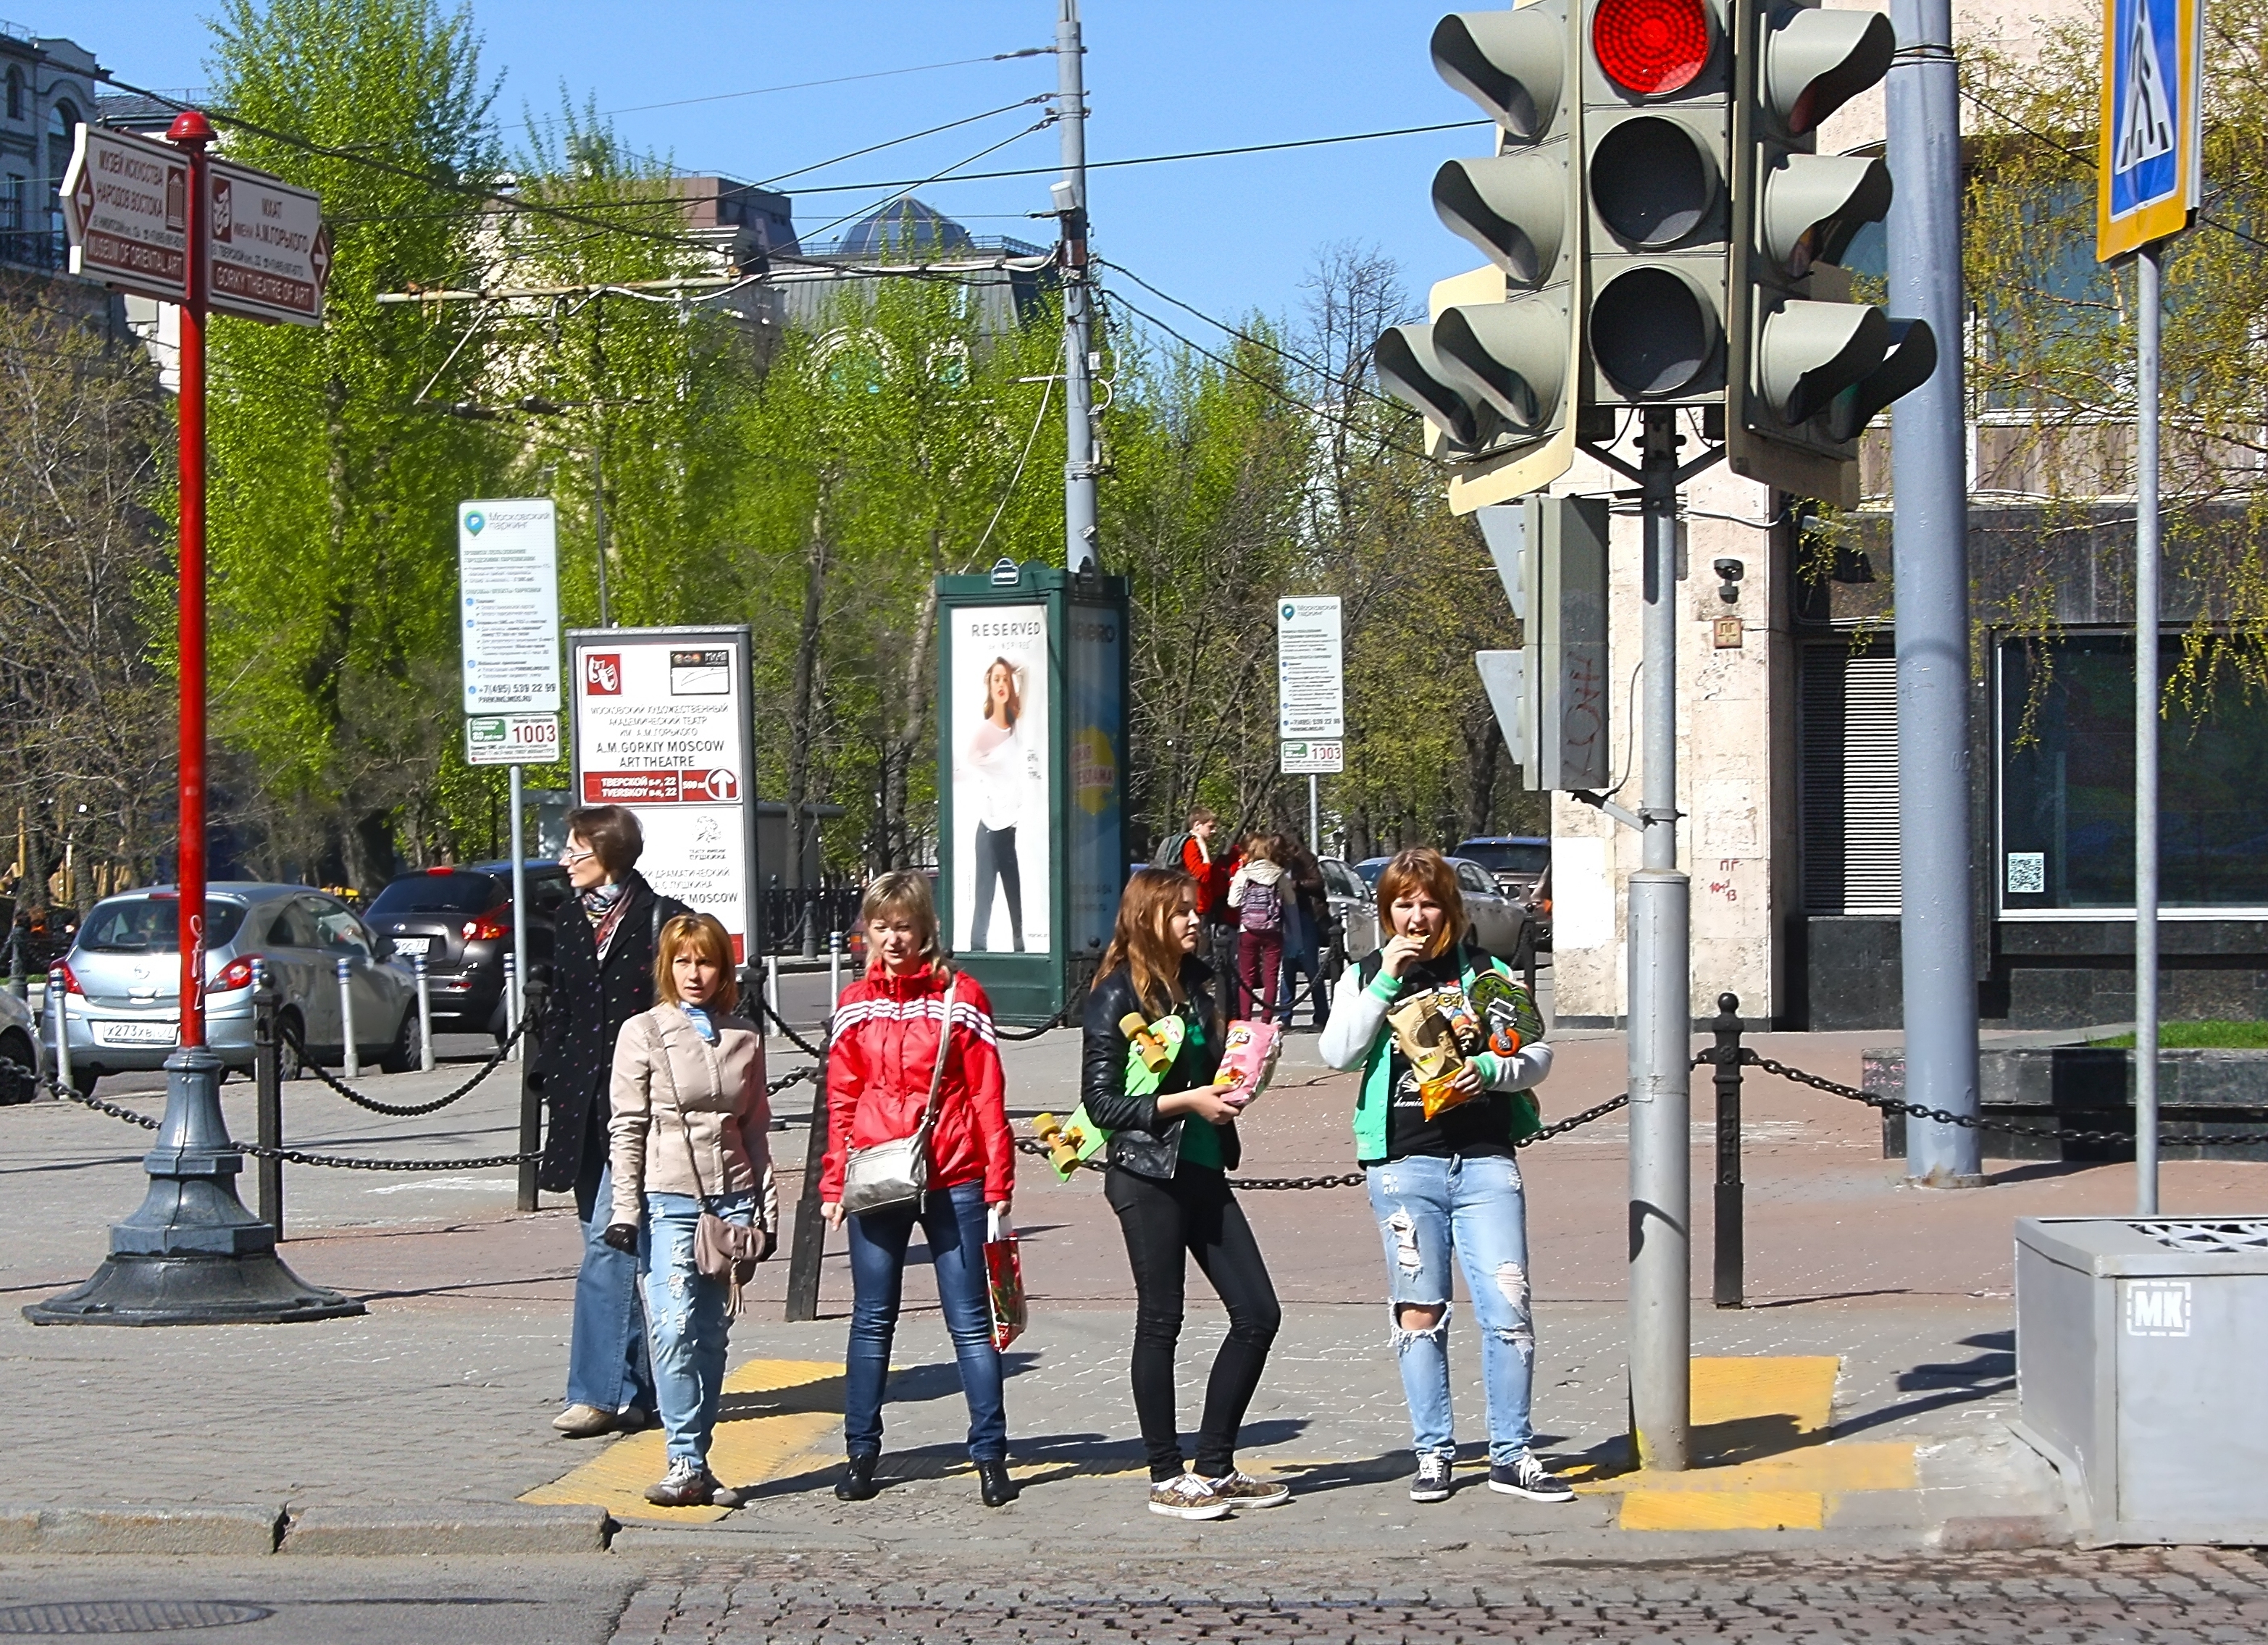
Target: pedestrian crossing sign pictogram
<point x="2150" y="159"/>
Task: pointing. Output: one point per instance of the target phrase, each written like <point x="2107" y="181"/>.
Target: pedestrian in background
<point x="1306" y="912"/>
<point x="1447" y="1185"/>
<point x="1210" y="875"/>
<point x="1169" y="1150"/>
<point x="1257" y="892"/>
<point x="603" y="974"/>
<point x="910" y="1028"/>
<point x="690" y="1132"/>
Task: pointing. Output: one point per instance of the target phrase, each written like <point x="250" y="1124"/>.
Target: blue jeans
<point x="1425" y="1208"/>
<point x="685" y="1314"/>
<point x="606" y="1359"/>
<point x="953" y="1220"/>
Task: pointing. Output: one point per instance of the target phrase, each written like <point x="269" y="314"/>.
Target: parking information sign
<point x="2149" y="161"/>
<point x="508" y="604"/>
<point x="1310" y="680"/>
<point x="511" y="740"/>
<point x="1311" y="758"/>
<point x="662" y="727"/>
<point x="125" y="202"/>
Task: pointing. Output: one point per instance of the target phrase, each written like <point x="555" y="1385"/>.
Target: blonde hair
<point x="1152" y="957"/>
<point x="1260" y="848"/>
<point x="1422" y="868"/>
<point x="902" y="891"/>
<point x="705" y="934"/>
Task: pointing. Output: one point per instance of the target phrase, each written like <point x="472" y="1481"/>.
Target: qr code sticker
<point x="2027" y="872"/>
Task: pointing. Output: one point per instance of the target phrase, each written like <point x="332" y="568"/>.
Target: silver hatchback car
<point x="121" y="980"/>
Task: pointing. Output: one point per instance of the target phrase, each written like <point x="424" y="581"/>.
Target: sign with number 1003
<point x="511" y="740"/>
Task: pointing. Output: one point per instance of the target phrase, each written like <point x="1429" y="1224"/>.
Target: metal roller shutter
<point x="1848" y="734"/>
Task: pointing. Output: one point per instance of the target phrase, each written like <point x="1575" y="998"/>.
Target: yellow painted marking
<point x="1797" y="1386"/>
<point x="746" y="1449"/>
<point x="1861" y="1466"/>
<point x="1723" y="1510"/>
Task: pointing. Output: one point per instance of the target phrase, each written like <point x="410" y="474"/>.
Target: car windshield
<point x="152" y="925"/>
<point x="439" y="894"/>
<point x="1371" y="868"/>
<point x="1506" y="856"/>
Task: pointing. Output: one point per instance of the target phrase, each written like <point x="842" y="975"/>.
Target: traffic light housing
<point x="1496" y="370"/>
<point x="1810" y="367"/>
<point x="1551" y="697"/>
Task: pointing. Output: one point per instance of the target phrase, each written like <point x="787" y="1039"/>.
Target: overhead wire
<point x="840" y="80"/>
<point x="873" y="148"/>
<point x="1037" y="126"/>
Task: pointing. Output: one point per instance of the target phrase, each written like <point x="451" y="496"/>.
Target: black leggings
<point x="1195" y="1213"/>
<point x="997" y="866"/>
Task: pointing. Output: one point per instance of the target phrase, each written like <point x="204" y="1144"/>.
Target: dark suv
<point x="459" y="917"/>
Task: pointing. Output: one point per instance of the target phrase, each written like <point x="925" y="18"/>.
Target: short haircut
<point x="705" y="934"/>
<point x="1203" y="814"/>
<point x="612" y="833"/>
<point x="1422" y="868"/>
<point x="902" y="891"/>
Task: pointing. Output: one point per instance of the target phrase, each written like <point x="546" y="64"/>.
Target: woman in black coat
<point x="601" y="975"/>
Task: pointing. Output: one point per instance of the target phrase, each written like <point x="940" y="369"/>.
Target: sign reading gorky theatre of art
<point x="508" y="604"/>
<point x="270" y="255"/>
<point x="662" y="726"/>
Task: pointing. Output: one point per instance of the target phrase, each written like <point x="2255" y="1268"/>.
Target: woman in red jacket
<point x="880" y="1063"/>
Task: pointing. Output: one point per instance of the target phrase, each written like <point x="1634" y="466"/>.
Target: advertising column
<point x="662" y="727"/>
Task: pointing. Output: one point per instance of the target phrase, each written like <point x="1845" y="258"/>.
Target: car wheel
<point x="19" y="1080"/>
<point x="289" y="1030"/>
<point x="402" y="1056"/>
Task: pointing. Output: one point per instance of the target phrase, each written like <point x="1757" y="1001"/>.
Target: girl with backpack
<point x="1256" y="892"/>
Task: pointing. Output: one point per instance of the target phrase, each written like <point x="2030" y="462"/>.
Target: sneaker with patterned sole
<point x="687" y="1484"/>
<point x="1241" y="1490"/>
<point x="1185" y="1496"/>
<point x="1431" y="1484"/>
<point x="1527" y="1476"/>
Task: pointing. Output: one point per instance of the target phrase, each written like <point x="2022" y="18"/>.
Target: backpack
<point x="1172" y="852"/>
<point x="1262" y="907"/>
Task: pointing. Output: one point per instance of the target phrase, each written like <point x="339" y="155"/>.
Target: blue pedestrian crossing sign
<point x="2150" y="154"/>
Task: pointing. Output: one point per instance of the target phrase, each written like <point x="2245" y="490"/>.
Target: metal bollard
<point x="349" y="1053"/>
<point x="834" y="968"/>
<point x="810" y="935"/>
<point x="512" y="1003"/>
<point x="53" y="1006"/>
<point x="424" y="1014"/>
<point x="17" y="984"/>
<point x="531" y="1086"/>
<point x="1731" y="1253"/>
<point x="267" y="1091"/>
<point x="772" y="985"/>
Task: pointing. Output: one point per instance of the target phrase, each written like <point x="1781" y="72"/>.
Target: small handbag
<point x="897" y="1172"/>
<point x="722" y="1249"/>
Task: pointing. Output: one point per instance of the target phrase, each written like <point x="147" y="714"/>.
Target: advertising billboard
<point x="1002" y="808"/>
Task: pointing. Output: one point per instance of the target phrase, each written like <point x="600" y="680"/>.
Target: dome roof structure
<point x="905" y="228"/>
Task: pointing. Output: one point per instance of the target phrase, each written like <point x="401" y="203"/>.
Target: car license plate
<point x="136" y="1033"/>
<point x="415" y="944"/>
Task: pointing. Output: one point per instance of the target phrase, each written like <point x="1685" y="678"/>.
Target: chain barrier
<point x="781" y="1023"/>
<point x="410" y="1111"/>
<point x="1750" y="1058"/>
<point x="787" y="1079"/>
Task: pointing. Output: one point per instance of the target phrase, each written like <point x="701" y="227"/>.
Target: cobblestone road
<point x="2031" y="1598"/>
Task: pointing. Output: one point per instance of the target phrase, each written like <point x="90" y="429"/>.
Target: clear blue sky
<point x="1229" y="235"/>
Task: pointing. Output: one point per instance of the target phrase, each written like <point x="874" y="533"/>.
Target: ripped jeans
<point x="685" y="1318"/>
<point x="1426" y="1206"/>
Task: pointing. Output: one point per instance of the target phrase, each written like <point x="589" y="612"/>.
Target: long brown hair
<point x="1142" y="943"/>
<point x="1014" y="706"/>
<point x="1422" y="868"/>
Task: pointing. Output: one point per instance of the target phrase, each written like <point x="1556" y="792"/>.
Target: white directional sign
<point x="1310" y="679"/>
<point x="508" y="604"/>
<point x="2150" y="161"/>
<point x="271" y="253"/>
<point x="125" y="203"/>
<point x="512" y="739"/>
<point x="1311" y="759"/>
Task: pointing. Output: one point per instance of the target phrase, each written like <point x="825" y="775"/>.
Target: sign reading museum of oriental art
<point x="662" y="727"/>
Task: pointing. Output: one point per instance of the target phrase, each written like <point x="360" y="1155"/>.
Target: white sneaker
<point x="1527" y="1477"/>
<point x="1186" y="1496"/>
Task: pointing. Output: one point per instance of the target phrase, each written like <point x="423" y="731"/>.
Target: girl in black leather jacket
<point x="1169" y="1151"/>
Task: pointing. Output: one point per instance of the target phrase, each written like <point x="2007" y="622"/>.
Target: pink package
<point x="1248" y="1061"/>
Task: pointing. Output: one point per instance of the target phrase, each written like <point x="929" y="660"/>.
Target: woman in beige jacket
<point x="690" y="1131"/>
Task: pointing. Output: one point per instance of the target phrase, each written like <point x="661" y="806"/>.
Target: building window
<point x="11" y="203"/>
<point x="2067" y="791"/>
<point x="1848" y="780"/>
<point x="15" y="93"/>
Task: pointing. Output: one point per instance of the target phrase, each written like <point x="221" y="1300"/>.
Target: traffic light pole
<point x="1078" y="301"/>
<point x="1660" y="1009"/>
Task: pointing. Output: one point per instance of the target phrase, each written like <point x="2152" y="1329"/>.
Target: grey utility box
<point x="2142" y="1372"/>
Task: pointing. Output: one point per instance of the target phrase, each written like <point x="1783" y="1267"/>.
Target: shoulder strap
<point x="937" y="1073"/>
<point x="684" y="1126"/>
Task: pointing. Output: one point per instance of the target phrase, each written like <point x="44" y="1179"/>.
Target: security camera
<point x="1728" y="588"/>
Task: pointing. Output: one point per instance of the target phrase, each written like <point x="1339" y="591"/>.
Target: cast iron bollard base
<point x="192" y="1255"/>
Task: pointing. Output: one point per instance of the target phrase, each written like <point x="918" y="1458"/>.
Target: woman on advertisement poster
<point x="1004" y="768"/>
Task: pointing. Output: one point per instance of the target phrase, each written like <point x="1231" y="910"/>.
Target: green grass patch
<point x="2214" y="1034"/>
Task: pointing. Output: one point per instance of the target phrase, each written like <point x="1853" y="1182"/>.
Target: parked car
<point x="1500" y="924"/>
<point x="1522" y="864"/>
<point x="1354" y="910"/>
<point x="121" y="980"/>
<point x="23" y="1060"/>
<point x="459" y="919"/>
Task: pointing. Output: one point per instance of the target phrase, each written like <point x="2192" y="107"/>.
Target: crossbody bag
<point x="897" y="1172"/>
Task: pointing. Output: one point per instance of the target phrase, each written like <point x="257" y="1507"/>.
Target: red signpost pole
<point x="192" y="133"/>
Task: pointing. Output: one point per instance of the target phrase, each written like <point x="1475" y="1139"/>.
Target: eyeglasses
<point x="570" y="858"/>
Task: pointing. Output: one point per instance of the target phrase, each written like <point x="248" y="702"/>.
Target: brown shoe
<point x="686" y="1485"/>
<point x="583" y="1421"/>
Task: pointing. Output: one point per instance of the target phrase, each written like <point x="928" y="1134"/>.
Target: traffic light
<point x="1657" y="89"/>
<point x="1496" y="371"/>
<point x="1811" y="366"/>
<point x="1550" y="696"/>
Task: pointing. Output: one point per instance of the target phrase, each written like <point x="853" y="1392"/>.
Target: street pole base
<point x="134" y="1288"/>
<point x="1945" y="1177"/>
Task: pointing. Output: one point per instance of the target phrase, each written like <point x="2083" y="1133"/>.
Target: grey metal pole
<point x="350" y="1049"/>
<point x="1661" y="1013"/>
<point x="2149" y="271"/>
<point x="1078" y="329"/>
<point x="268" y="1092"/>
<point x="419" y="968"/>
<point x="1315" y="815"/>
<point x="55" y="1009"/>
<point x="1930" y="540"/>
<point x="598" y="532"/>
<point x="518" y="980"/>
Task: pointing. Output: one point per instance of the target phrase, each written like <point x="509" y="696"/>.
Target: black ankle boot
<point x="993" y="1482"/>
<point x="857" y="1481"/>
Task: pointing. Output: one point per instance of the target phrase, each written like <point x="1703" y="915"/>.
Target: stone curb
<point x="503" y="1528"/>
